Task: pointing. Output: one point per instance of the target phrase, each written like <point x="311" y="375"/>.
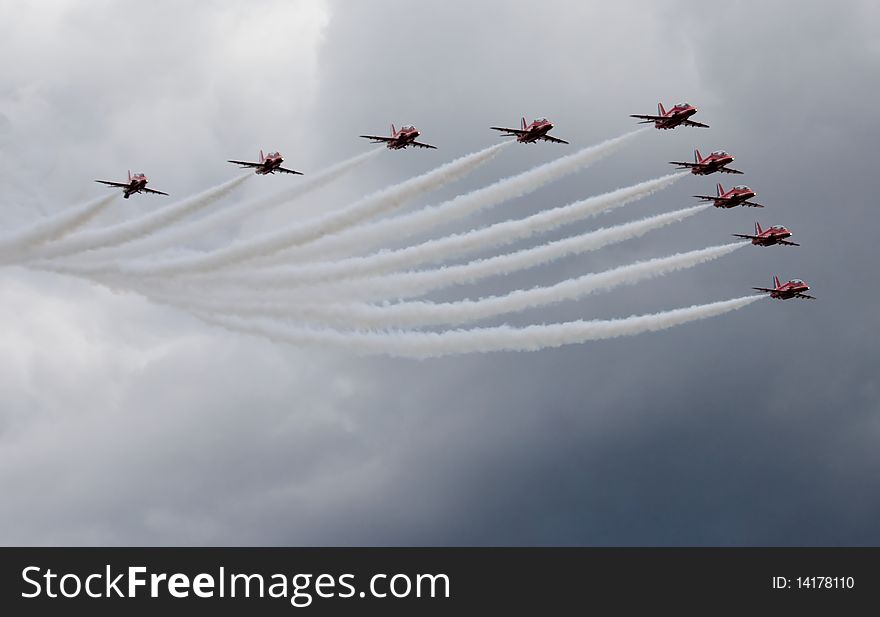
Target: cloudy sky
<point x="127" y="422"/>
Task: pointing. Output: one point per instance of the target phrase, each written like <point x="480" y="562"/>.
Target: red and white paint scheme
<point x="677" y="116"/>
<point x="137" y="183"/>
<point x="400" y="139"/>
<point x="703" y="166"/>
<point x="794" y="288"/>
<point x="531" y="133"/>
<point x="737" y="196"/>
<point x="775" y="234"/>
<point x="268" y="164"/>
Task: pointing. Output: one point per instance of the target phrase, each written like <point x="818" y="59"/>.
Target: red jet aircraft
<point x="136" y="184"/>
<point x="795" y="288"/>
<point x="677" y="116"/>
<point x="717" y="161"/>
<point x="531" y="133"/>
<point x="268" y="164"/>
<point x="406" y="136"/>
<point x="737" y="196"/>
<point x="775" y="234"/>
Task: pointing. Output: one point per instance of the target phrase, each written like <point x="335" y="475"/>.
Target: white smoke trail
<point x="414" y="344"/>
<point x="50" y="229"/>
<point x="397" y="285"/>
<point x="181" y="233"/>
<point x="410" y="284"/>
<point x="381" y="202"/>
<point x="440" y="249"/>
<point x="418" y="282"/>
<point x="417" y="314"/>
<point x="136" y="228"/>
<point x="365" y="237"/>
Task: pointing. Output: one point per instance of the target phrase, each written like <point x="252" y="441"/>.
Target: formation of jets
<point x="538" y="130"/>
<point x="739" y="195"/>
<point x="404" y="137"/>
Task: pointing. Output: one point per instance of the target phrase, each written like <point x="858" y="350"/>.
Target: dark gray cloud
<point x="123" y="422"/>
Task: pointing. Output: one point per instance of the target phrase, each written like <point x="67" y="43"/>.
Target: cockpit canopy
<point x="273" y="155"/>
<point x="407" y="127"/>
<point x="540" y="120"/>
<point x="798" y="281"/>
<point x="139" y="174"/>
<point x="682" y="105"/>
<point x="777" y="227"/>
<point x="720" y="153"/>
<point x="742" y="187"/>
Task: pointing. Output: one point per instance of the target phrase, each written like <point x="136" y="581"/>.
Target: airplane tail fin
<point x="524" y="123"/>
<point x="697" y="156"/>
<point x="720" y="189"/>
<point x="758" y="229"/>
<point x="129" y="175"/>
<point x="661" y="111"/>
<point x="775" y="281"/>
<point x="393" y="130"/>
<point x="262" y="156"/>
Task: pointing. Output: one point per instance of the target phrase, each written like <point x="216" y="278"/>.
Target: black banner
<point x="433" y="581"/>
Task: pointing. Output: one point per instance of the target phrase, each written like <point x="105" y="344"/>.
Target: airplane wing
<point x="692" y="123"/>
<point x="750" y="204"/>
<point x="804" y="297"/>
<point x="121" y="185"/>
<point x="764" y="289"/>
<point x="647" y="119"/>
<point x="377" y="138"/>
<point x="787" y="242"/>
<point x="746" y="236"/>
<point x="421" y="145"/>
<point x="555" y="140"/>
<point x="509" y="132"/>
<point x="153" y="191"/>
<point x="728" y="170"/>
<point x="246" y="163"/>
<point x="284" y="170"/>
<point x="684" y="165"/>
